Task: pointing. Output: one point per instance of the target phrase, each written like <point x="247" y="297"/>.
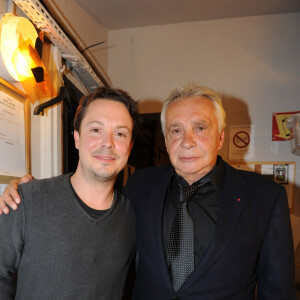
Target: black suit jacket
<point x="252" y="242"/>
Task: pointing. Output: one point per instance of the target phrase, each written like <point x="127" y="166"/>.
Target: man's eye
<point x="121" y="134"/>
<point x="176" y="131"/>
<point x="95" y="130"/>
<point x="200" y="128"/>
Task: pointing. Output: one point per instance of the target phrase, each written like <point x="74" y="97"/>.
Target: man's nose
<point x="188" y="140"/>
<point x="108" y="140"/>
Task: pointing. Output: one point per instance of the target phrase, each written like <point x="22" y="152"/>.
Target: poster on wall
<point x="280" y="130"/>
<point x="14" y="133"/>
<point x="241" y="142"/>
<point x="12" y="136"/>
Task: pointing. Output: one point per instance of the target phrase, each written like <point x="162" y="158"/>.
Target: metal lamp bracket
<point x="63" y="96"/>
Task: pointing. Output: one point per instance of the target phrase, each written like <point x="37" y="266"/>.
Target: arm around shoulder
<point x="10" y="197"/>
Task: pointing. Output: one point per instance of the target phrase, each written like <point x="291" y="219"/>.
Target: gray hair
<point x="190" y="91"/>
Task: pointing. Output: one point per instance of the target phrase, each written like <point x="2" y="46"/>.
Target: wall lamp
<point x="21" y="48"/>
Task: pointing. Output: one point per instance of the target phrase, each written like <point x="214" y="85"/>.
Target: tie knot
<point x="190" y="191"/>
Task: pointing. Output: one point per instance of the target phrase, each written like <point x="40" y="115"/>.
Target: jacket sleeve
<point x="276" y="269"/>
<point x="11" y="245"/>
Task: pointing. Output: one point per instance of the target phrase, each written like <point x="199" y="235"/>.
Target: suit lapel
<point x="231" y="205"/>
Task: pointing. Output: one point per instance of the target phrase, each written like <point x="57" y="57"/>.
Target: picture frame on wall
<point x="15" y="139"/>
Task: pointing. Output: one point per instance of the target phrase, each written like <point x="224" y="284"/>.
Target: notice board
<point x="14" y="133"/>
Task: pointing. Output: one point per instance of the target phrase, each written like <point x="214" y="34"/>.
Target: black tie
<point x="180" y="250"/>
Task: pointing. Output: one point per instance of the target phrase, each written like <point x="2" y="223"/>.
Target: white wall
<point x="254" y="62"/>
<point x="46" y="142"/>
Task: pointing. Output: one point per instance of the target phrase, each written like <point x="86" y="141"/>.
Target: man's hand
<point x="10" y="197"/>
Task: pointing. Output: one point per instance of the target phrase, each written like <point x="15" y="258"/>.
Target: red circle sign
<point x="241" y="139"/>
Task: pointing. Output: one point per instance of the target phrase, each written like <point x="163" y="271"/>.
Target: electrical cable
<point x="92" y="46"/>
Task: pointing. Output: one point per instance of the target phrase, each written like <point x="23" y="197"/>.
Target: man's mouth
<point x="105" y="156"/>
<point x="188" y="158"/>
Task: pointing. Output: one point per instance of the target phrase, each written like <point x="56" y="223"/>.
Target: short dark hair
<point x="109" y="94"/>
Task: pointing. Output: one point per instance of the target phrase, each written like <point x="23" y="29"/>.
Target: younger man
<point x="73" y="236"/>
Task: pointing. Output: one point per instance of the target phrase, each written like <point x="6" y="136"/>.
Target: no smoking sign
<point x="240" y="147"/>
<point x="241" y="139"/>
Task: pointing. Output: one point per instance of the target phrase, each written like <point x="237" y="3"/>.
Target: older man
<point x="205" y="230"/>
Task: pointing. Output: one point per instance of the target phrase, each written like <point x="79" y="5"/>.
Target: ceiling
<point x="117" y="14"/>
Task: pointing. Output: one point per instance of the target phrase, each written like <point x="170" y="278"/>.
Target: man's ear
<point x="131" y="145"/>
<point x="76" y="139"/>
<point x="222" y="137"/>
<point x="166" y="144"/>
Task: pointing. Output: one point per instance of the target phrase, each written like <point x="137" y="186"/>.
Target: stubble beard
<point x="102" y="175"/>
<point x="98" y="175"/>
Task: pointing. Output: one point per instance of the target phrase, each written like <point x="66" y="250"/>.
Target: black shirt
<point x="203" y="208"/>
<point x="94" y="213"/>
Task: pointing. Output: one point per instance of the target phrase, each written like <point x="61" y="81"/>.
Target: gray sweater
<point x="59" y="251"/>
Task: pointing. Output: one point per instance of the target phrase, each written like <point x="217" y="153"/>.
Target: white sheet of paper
<point x="12" y="136"/>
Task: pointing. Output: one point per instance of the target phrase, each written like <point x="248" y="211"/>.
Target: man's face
<point x="104" y="141"/>
<point x="192" y="137"/>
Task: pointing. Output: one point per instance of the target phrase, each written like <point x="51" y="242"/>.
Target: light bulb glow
<point x="23" y="69"/>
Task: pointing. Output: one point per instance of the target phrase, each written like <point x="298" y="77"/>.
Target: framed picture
<point x="281" y="173"/>
<point x="15" y="158"/>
